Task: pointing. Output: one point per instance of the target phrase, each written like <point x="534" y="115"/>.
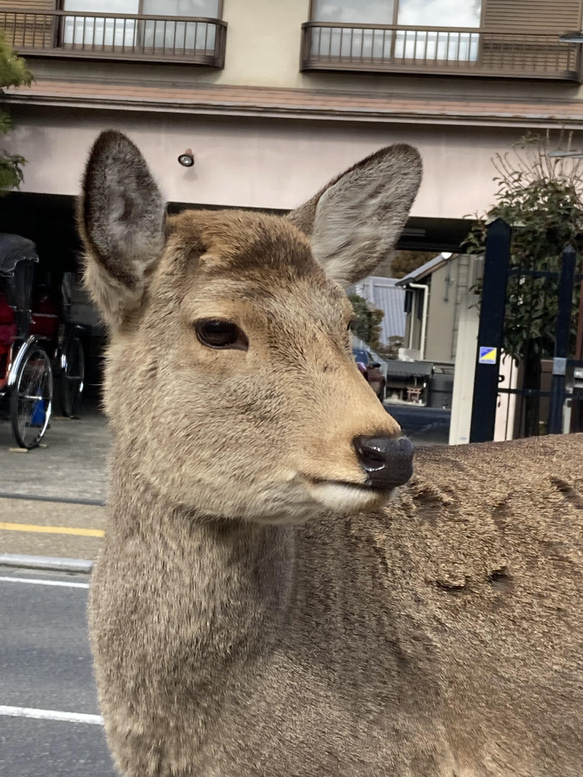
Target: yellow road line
<point x="51" y="529"/>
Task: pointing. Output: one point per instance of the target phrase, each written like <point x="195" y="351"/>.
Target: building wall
<point x="262" y="32"/>
<point x="267" y="163"/>
<point x="263" y="49"/>
<point x="414" y="325"/>
<point x="448" y="294"/>
<point x="440" y="321"/>
<point x="449" y="290"/>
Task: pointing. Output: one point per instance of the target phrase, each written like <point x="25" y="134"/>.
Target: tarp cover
<point x="14" y="249"/>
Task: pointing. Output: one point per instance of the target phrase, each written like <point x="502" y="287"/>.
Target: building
<point x="441" y="323"/>
<point x="385" y="294"/>
<point x="438" y="294"/>
<point x="270" y="98"/>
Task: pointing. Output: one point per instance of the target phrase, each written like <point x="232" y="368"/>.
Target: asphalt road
<point x="423" y="425"/>
<point x="45" y="668"/>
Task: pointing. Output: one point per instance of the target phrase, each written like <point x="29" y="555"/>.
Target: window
<point x="460" y="46"/>
<point x="440" y="13"/>
<point x="81" y="30"/>
<point x="190" y="36"/>
<point x="354" y="42"/>
<point x="359" y="42"/>
<point x="354" y="11"/>
<point x="125" y="32"/>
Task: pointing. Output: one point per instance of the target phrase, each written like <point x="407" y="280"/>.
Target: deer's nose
<point x="387" y="461"/>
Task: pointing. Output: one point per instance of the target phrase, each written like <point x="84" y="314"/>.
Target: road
<point x="45" y="668"/>
<point x="423" y="425"/>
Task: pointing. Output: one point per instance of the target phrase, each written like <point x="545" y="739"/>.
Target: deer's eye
<point x="215" y="333"/>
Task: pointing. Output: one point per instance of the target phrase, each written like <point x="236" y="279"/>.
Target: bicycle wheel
<point x="72" y="377"/>
<point x="31" y="397"/>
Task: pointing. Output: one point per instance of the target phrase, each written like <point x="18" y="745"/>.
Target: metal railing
<point x="115" y="36"/>
<point x="437" y="50"/>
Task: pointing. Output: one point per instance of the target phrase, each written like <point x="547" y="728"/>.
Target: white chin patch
<point x="344" y="498"/>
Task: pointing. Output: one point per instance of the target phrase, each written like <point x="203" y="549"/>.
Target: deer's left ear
<point x="356" y="220"/>
<point x="121" y="220"/>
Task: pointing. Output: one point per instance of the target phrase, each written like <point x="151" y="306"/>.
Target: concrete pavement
<point x="51" y="497"/>
<point x="46" y="672"/>
<point x="39" y="528"/>
<point x="73" y="465"/>
<point x="51" y="505"/>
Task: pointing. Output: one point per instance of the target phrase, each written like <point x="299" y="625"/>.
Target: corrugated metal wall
<point x="537" y="25"/>
<point x="33" y="30"/>
<point x="382" y="293"/>
<point x="35" y="5"/>
<point x="537" y="16"/>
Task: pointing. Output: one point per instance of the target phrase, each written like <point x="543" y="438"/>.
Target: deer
<point x="286" y="587"/>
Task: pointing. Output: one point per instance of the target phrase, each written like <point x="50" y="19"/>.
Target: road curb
<point x="58" y="499"/>
<point x="46" y="562"/>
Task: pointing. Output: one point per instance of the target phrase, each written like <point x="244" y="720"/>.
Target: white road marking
<point x="62" y="583"/>
<point x="69" y="717"/>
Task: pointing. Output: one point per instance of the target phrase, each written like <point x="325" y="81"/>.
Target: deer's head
<point x="230" y="383"/>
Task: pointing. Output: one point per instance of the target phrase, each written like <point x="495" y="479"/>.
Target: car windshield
<point x="360" y="355"/>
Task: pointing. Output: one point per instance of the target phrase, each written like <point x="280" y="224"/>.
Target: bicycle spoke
<point x="32" y="399"/>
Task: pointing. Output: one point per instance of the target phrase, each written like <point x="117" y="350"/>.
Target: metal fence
<point x="530" y="370"/>
<point x="115" y="36"/>
<point x="458" y="51"/>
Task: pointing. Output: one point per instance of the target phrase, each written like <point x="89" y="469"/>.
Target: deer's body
<point x="256" y="609"/>
<point x="442" y="636"/>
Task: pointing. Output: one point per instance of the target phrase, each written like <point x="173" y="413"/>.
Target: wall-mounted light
<point x="571" y="37"/>
<point x="186" y="159"/>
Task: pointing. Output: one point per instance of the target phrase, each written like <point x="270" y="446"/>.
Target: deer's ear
<point x="121" y="220"/>
<point x="356" y="220"/>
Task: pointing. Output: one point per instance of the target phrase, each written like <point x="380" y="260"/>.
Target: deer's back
<point x="464" y="601"/>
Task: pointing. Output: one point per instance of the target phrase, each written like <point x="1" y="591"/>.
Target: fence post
<point x="562" y="331"/>
<point x="492" y="309"/>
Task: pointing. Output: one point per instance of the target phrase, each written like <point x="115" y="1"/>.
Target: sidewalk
<point x="51" y="498"/>
<point x="73" y="465"/>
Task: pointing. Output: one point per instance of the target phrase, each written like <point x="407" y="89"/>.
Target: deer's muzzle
<point x="387" y="461"/>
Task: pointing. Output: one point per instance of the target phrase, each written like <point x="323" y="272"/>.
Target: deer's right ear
<point x="121" y="220"/>
<point x="355" y="221"/>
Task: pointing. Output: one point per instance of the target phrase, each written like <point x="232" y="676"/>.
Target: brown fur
<point x="246" y="622"/>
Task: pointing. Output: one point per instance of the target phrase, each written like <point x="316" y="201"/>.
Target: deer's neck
<point x="217" y="583"/>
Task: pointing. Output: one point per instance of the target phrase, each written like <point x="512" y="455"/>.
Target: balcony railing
<point x="454" y="51"/>
<point x="115" y="36"/>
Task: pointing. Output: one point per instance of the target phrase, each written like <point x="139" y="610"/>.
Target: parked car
<point x="370" y="370"/>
